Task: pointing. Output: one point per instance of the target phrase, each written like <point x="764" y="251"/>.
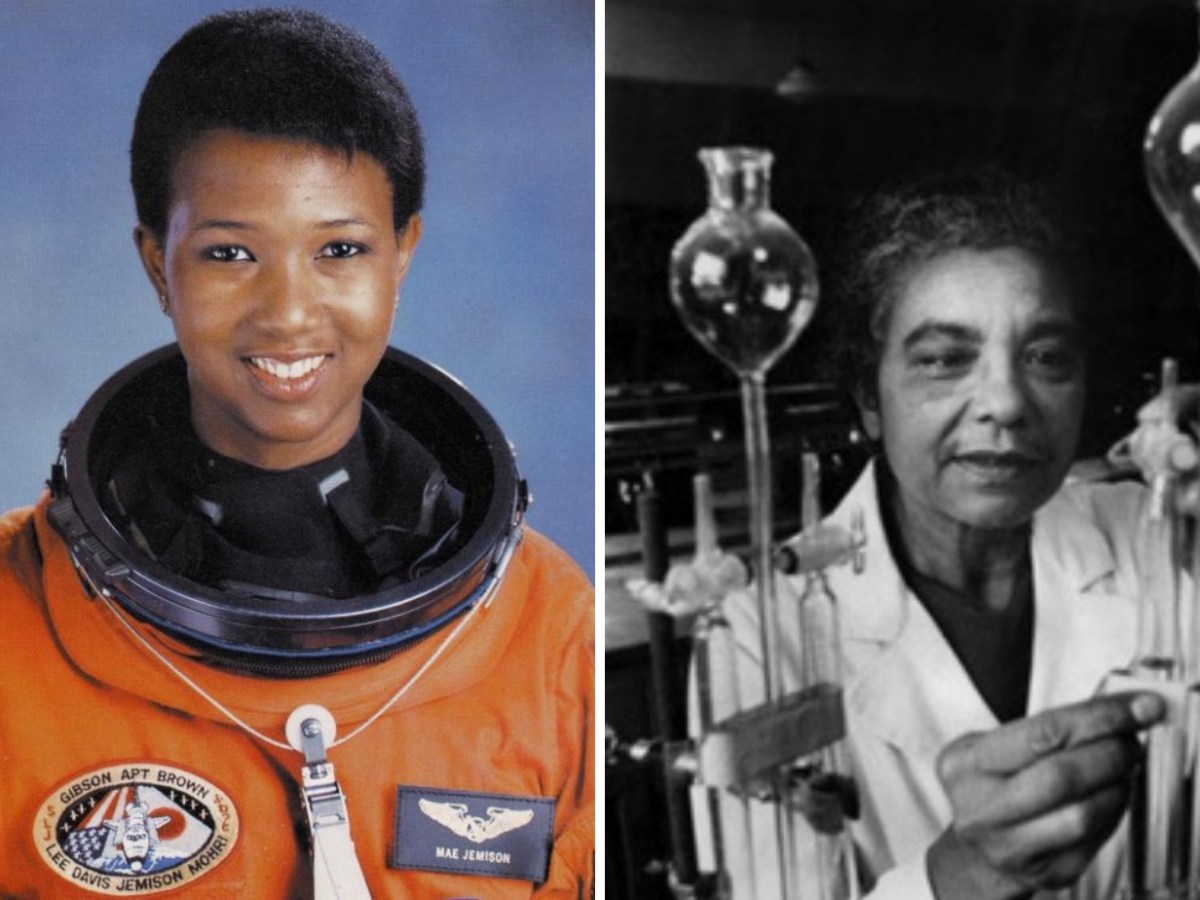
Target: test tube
<point x="1157" y="815"/>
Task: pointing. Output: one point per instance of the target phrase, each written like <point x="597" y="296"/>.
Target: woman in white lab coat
<point x="995" y="599"/>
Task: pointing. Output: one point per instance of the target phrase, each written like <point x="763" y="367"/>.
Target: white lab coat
<point x="907" y="695"/>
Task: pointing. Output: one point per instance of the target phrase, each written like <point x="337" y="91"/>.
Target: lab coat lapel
<point x="1085" y="624"/>
<point x="902" y="680"/>
<point x="917" y="696"/>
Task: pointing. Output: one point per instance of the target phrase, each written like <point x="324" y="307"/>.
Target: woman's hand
<point x="1035" y="799"/>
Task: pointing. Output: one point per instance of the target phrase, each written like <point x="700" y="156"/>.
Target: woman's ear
<point x="867" y="401"/>
<point x="407" y="244"/>
<point x="153" y="256"/>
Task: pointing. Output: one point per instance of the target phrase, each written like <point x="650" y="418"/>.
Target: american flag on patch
<point x="91" y="841"/>
<point x="85" y="845"/>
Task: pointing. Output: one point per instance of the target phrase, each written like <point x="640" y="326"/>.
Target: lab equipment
<point x="745" y="285"/>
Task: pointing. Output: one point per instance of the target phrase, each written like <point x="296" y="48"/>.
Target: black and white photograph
<point x="900" y="449"/>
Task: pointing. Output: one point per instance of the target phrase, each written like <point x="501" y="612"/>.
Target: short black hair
<point x="278" y="73"/>
<point x="892" y="231"/>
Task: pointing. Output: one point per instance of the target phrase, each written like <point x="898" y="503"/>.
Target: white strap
<point x="337" y="874"/>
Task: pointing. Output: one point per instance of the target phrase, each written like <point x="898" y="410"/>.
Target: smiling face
<point x="281" y="267"/>
<point x="980" y="390"/>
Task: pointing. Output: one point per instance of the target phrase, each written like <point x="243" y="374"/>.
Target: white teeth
<point x="282" y="370"/>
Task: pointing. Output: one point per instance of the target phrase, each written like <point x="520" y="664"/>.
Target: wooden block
<point x="743" y="747"/>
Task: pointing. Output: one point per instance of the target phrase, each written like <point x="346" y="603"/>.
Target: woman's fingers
<point x="1034" y="799"/>
<point x="1060" y="780"/>
<point x="1038" y="845"/>
<point x="1017" y="745"/>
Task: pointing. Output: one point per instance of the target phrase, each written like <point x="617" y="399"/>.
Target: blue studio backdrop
<point x="501" y="289"/>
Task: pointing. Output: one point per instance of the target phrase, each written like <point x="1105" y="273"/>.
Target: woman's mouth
<point x="996" y="466"/>
<point x="288" y="380"/>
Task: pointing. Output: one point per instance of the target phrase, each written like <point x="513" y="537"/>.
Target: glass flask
<point x="743" y="281"/>
<point x="1171" y="156"/>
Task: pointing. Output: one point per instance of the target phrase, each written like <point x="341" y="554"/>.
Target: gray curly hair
<point x="892" y="232"/>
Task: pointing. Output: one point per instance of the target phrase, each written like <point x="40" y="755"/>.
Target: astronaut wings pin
<point x="476" y="828"/>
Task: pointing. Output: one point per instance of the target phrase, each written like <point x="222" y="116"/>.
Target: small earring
<point x="164" y="304"/>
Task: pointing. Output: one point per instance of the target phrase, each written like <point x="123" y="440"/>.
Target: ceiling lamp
<point x="800" y="82"/>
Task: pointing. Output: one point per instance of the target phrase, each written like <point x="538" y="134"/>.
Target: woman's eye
<point x="342" y="250"/>
<point x="943" y="363"/>
<point x="1053" y="361"/>
<point x="228" y="253"/>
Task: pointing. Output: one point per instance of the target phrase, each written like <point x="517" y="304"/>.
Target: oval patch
<point x="135" y="828"/>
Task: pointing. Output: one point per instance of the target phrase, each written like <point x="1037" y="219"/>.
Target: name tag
<point x="498" y="835"/>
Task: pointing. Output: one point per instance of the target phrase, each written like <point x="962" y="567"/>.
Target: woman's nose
<point x="286" y="297"/>
<point x="1000" y="395"/>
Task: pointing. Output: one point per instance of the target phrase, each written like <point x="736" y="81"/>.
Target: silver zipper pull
<point x="337" y="874"/>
